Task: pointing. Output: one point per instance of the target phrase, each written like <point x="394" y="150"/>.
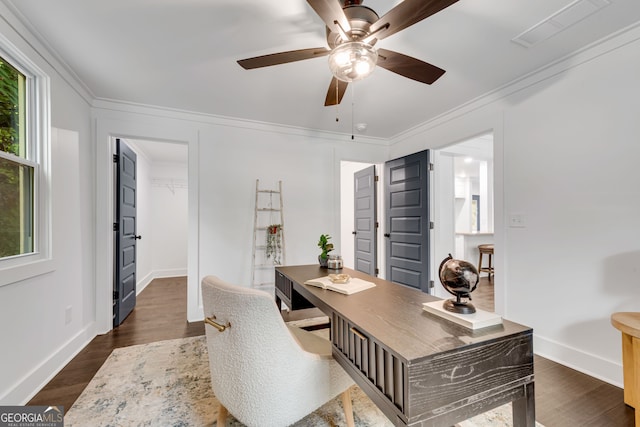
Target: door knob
<point x="387" y="235"/>
<point x="137" y="237"/>
<point x="354" y="232"/>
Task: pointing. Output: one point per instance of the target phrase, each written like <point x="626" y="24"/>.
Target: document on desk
<point x="351" y="287"/>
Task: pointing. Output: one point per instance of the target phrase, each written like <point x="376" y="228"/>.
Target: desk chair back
<point x="259" y="371"/>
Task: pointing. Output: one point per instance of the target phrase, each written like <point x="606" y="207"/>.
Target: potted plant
<point x="326" y="247"/>
<point x="274" y="243"/>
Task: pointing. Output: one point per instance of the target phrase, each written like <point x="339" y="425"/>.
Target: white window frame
<point x="38" y="99"/>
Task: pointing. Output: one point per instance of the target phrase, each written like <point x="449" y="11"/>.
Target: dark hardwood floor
<point x="564" y="397"/>
<point x="160" y="314"/>
<point x="483" y="295"/>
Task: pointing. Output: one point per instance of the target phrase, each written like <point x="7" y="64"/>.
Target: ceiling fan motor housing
<point x="360" y="18"/>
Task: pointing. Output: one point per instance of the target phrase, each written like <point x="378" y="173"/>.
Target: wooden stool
<point x="629" y="325"/>
<point x="486" y="249"/>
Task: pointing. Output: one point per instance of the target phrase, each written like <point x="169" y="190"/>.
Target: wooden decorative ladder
<point x="268" y="212"/>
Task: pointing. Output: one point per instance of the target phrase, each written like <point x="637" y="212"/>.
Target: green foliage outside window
<point x="16" y="178"/>
<point x="11" y="104"/>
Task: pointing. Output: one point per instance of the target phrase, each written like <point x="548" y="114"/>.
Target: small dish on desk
<point x="339" y="278"/>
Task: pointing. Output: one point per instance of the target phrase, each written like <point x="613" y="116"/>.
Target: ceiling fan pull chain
<point x="353" y="101"/>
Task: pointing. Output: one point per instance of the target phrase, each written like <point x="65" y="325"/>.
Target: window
<point x="16" y="170"/>
<point x="24" y="180"/>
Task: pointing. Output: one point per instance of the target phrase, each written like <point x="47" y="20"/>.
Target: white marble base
<point x="477" y="320"/>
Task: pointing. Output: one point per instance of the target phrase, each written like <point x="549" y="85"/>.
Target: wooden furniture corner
<point x="629" y="324"/>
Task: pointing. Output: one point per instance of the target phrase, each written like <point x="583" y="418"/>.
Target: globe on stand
<point x="459" y="278"/>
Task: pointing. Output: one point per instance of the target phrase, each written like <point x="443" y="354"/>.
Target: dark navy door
<point x="124" y="293"/>
<point x="364" y="221"/>
<point x="407" y="220"/>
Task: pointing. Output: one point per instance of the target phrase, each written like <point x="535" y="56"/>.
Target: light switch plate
<point x="517" y="220"/>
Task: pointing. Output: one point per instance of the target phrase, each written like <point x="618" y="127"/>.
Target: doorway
<point x="162" y="210"/>
<point x="465" y="193"/>
<point x="477" y="153"/>
<point x="346" y="246"/>
<point x="402" y="226"/>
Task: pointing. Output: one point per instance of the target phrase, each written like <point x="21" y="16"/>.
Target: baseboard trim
<point x="589" y="364"/>
<point x="27" y="387"/>
<point x="159" y="274"/>
<point x="142" y="283"/>
<point x="172" y="272"/>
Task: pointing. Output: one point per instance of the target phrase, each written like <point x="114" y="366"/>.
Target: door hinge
<point x="115" y="295"/>
<point x="375" y="178"/>
<point x="431" y="225"/>
<point x="377" y="224"/>
<point x="377" y="271"/>
<point x="116" y="227"/>
<point x="430" y="166"/>
<point x="431" y="284"/>
<point x="115" y="158"/>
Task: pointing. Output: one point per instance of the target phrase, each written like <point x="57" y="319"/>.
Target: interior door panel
<point x="407" y="220"/>
<point x="124" y="296"/>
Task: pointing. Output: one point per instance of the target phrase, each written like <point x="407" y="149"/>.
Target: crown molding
<point x="30" y="35"/>
<point x="575" y="59"/>
<point x="110" y="105"/>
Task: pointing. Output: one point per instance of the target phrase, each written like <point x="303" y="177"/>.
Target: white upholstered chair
<point x="262" y="371"/>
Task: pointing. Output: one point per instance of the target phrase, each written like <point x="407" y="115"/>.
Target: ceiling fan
<point x="352" y="32"/>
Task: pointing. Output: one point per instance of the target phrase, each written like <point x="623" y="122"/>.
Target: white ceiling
<point x="161" y="152"/>
<point x="182" y="54"/>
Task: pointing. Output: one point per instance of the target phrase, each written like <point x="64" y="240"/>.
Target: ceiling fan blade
<point x="282" y="57"/>
<point x="409" y="67"/>
<point x="332" y="14"/>
<point x="335" y="96"/>
<point x="406" y="14"/>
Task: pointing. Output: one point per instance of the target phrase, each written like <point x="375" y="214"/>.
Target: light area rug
<point x="167" y="383"/>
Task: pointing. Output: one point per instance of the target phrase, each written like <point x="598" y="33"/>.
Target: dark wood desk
<point x="419" y="369"/>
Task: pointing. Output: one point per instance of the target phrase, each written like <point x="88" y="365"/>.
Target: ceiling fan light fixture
<point x="352" y="61"/>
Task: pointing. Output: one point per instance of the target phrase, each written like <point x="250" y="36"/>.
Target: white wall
<point x="566" y="157"/>
<point x="443" y="236"/>
<point x="462" y="203"/>
<point x="36" y="339"/>
<point x="144" y="215"/>
<point x="310" y="173"/>
<point x="169" y="221"/>
<point x="225" y="158"/>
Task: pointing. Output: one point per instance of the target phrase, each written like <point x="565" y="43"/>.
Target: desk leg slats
<point x="381" y="367"/>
